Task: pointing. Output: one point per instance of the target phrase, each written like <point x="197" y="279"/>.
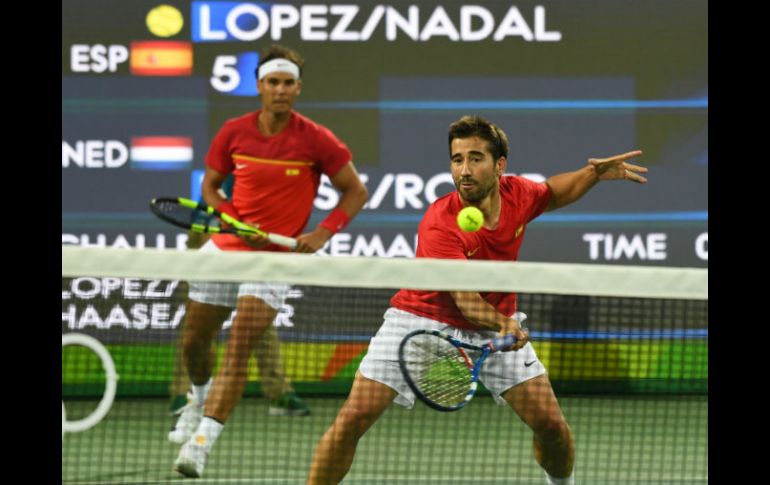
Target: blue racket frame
<point x="490" y="347"/>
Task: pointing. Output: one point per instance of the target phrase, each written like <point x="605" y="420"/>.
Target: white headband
<point x="278" y="65"/>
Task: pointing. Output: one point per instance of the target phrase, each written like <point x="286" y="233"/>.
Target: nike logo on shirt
<point x="471" y="253"/>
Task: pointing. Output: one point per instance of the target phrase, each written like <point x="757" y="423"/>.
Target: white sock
<point x="207" y="433"/>
<point x="570" y="480"/>
<point x="200" y="393"/>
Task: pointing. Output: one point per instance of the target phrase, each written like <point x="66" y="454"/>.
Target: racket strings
<point x="441" y="371"/>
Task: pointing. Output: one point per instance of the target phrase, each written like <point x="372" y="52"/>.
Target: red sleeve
<point x="536" y="195"/>
<point x="218" y="156"/>
<point x="333" y="154"/>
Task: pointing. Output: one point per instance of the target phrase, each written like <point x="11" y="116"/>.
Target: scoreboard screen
<point x="147" y="84"/>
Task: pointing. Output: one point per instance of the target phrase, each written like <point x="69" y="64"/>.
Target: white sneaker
<point x="187" y="423"/>
<point x="191" y="460"/>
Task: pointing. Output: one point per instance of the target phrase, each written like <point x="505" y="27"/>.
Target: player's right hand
<point x="312" y="241"/>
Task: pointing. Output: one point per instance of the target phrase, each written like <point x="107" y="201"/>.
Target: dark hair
<point x="469" y="126"/>
<point x="277" y="51"/>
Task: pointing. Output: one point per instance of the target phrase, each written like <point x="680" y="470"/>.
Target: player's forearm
<point x="479" y="311"/>
<point x="212" y="181"/>
<point x="567" y="188"/>
<point x="211" y="195"/>
<point x="353" y="200"/>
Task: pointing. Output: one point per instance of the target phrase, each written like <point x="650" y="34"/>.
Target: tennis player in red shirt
<point x="478" y="152"/>
<point x="277" y="157"/>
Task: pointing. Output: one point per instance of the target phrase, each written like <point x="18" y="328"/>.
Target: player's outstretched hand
<point x="616" y="168"/>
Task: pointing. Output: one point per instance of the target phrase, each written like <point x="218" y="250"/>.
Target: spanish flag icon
<point x="161" y="58"/>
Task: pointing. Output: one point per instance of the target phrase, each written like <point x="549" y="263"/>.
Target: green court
<point x="619" y="440"/>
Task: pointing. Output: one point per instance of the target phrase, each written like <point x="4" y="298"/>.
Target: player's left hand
<point x="255" y="241"/>
<point x="616" y="168"/>
<point x="312" y="241"/>
<point x="521" y="333"/>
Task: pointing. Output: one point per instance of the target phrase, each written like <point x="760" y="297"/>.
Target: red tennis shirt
<point x="439" y="237"/>
<point x="276" y="177"/>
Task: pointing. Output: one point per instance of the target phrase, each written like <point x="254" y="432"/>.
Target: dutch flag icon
<point x="161" y="153"/>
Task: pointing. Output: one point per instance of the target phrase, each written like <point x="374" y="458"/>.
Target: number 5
<point x="225" y="76"/>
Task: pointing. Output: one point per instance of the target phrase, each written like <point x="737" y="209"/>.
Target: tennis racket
<point x="189" y="214"/>
<point x="439" y="368"/>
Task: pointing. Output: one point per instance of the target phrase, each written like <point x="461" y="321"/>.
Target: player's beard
<point x="478" y="192"/>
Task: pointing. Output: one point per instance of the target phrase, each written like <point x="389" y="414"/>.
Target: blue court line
<point x="700" y="216"/>
<point x="108" y="216"/>
<point x="503" y="104"/>
<point x="627" y="217"/>
<point x="695" y="333"/>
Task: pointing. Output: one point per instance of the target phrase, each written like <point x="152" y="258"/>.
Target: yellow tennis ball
<point x="470" y="219"/>
<point x="165" y="21"/>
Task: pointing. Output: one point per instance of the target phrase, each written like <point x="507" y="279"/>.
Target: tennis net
<point x="625" y="349"/>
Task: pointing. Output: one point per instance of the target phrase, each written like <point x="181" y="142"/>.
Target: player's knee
<point x="353" y="421"/>
<point x="552" y="429"/>
<point x="194" y="344"/>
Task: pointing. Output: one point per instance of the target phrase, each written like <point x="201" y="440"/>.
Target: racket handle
<point x="503" y="342"/>
<point x="288" y="242"/>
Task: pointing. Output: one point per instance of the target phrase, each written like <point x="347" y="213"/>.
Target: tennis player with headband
<point x="277" y="157"/>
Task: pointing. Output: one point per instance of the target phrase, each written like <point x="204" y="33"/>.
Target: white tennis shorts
<point x="227" y="294"/>
<point x="500" y="372"/>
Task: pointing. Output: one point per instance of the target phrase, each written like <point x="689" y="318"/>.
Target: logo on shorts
<point x="527" y="364"/>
